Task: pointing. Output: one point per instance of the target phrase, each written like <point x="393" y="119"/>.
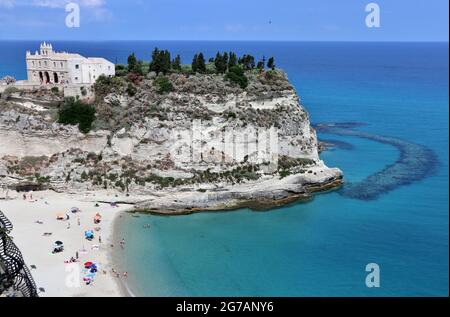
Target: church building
<point x="62" y="68"/>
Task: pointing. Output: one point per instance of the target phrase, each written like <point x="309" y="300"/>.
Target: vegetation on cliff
<point x="75" y="112"/>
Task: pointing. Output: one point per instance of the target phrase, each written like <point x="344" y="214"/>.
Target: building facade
<point x="48" y="67"/>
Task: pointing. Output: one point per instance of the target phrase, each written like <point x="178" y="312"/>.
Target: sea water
<point x="319" y="248"/>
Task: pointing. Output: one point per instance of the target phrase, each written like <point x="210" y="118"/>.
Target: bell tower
<point x="46" y="49"/>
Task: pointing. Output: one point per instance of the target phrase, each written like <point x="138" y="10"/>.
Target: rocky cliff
<point x="206" y="144"/>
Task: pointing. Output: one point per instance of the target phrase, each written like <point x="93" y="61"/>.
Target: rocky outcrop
<point x="206" y="145"/>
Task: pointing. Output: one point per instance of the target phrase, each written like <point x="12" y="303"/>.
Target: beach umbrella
<point x="88" y="264"/>
<point x="60" y="216"/>
<point x="75" y="210"/>
<point x="59" y="243"/>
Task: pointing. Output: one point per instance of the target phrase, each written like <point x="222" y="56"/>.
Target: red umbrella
<point x="88" y="264"/>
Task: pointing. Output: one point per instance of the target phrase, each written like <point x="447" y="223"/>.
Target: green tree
<point x="195" y="63"/>
<point x="221" y="62"/>
<point x="75" y="112"/>
<point x="176" y="64"/>
<point x="132" y="63"/>
<point x="271" y="63"/>
<point x="161" y="61"/>
<point x="232" y="60"/>
<point x="247" y="62"/>
<point x="225" y="61"/>
<point x="236" y="74"/>
<point x="201" y="65"/>
<point x="261" y="65"/>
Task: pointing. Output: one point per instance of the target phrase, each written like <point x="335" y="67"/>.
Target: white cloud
<point x="95" y="10"/>
<point x="52" y="3"/>
<point x="7" y="3"/>
<point x="63" y="3"/>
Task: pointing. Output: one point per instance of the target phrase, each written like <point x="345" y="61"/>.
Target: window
<point x="77" y="66"/>
<point x="76" y="78"/>
<point x="62" y="65"/>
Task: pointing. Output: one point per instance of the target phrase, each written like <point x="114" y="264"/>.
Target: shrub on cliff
<point x="135" y="65"/>
<point x="121" y="70"/>
<point x="8" y="92"/>
<point x="75" y="112"/>
<point x="106" y="85"/>
<point x="237" y="75"/>
<point x="163" y="85"/>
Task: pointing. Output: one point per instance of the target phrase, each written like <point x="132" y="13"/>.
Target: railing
<point x="15" y="278"/>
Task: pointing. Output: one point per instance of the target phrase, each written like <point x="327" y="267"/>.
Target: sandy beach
<point x="33" y="218"/>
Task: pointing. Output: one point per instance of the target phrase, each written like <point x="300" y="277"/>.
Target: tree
<point x="176" y="64"/>
<point x="161" y="62"/>
<point x="237" y="75"/>
<point x="132" y="63"/>
<point x="201" y="63"/>
<point x="261" y="65"/>
<point x="271" y="63"/>
<point x="75" y="112"/>
<point x="247" y="62"/>
<point x="134" y="66"/>
<point x="232" y="60"/>
<point x="195" y="63"/>
<point x="225" y="60"/>
<point x="166" y="62"/>
<point x="221" y="63"/>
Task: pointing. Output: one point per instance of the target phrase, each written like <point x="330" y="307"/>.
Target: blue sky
<point x="303" y="20"/>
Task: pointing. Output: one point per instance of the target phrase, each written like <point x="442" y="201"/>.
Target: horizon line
<point x="209" y="40"/>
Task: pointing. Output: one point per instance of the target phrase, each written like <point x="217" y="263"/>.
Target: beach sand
<point x="57" y="278"/>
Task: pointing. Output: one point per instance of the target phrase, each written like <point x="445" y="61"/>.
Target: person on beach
<point x="24" y="196"/>
<point x="125" y="274"/>
<point x="79" y="222"/>
<point x="99" y="239"/>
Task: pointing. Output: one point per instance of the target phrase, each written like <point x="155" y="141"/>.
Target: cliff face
<point x="209" y="143"/>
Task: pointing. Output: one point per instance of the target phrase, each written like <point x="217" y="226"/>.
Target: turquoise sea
<point x="395" y="96"/>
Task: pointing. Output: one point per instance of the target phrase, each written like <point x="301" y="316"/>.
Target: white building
<point x="50" y="67"/>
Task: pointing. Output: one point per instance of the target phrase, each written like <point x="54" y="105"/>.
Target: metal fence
<point x="15" y="277"/>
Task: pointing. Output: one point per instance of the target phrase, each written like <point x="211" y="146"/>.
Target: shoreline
<point x="122" y="285"/>
<point x="51" y="272"/>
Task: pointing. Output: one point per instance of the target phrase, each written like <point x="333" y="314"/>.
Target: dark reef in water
<point x="416" y="163"/>
<point x="336" y="144"/>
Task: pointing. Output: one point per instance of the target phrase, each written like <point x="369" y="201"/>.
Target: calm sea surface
<point x="320" y="248"/>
